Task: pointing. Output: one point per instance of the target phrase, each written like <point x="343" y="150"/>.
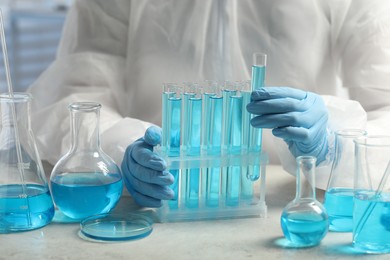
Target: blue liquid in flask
<point x="304" y="229"/>
<point x="24" y="213"/>
<point x="371" y="233"/>
<point x="85" y="194"/>
<point x="339" y="205"/>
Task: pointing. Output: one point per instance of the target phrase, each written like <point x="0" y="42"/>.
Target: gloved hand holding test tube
<point x="300" y="118"/>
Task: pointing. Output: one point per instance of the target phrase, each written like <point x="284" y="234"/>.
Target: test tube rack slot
<point x="242" y="206"/>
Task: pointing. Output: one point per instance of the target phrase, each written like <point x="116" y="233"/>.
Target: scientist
<point x="329" y="59"/>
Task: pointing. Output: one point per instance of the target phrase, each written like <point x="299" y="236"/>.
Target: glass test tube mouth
<point x="17" y="97"/>
<point x="373" y="140"/>
<point x="350" y="133"/>
<point x="259" y="59"/>
<point x="85" y="106"/>
<point x="306" y="158"/>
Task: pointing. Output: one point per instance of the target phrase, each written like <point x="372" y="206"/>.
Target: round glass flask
<point x="304" y="220"/>
<point x="85" y="181"/>
<point x="25" y="201"/>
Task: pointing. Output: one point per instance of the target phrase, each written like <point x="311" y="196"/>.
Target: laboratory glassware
<point x="304" y="220"/>
<point x="211" y="133"/>
<point x="85" y="181"/>
<point x="25" y="200"/>
<point x="371" y="212"/>
<point x="171" y="124"/>
<point x="191" y="142"/>
<point x="338" y="199"/>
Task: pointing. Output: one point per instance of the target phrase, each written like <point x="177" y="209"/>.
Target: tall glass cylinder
<point x="85" y="181"/>
<point x="25" y="201"/>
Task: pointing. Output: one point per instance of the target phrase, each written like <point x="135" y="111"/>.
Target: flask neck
<point x="85" y="117"/>
<point x="305" y="178"/>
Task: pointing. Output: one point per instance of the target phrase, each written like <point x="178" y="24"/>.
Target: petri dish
<point x="116" y="227"/>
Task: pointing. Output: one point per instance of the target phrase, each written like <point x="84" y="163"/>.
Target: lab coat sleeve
<point x="89" y="67"/>
<point x="361" y="52"/>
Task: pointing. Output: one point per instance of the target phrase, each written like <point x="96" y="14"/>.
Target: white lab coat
<point x="120" y="52"/>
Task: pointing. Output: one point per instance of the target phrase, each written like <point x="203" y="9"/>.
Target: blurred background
<point x="32" y="30"/>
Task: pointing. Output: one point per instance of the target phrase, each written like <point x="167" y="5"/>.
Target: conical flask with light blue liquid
<point x="25" y="200"/>
<point x="338" y="199"/>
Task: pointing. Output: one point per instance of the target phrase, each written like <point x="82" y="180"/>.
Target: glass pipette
<point x="13" y="111"/>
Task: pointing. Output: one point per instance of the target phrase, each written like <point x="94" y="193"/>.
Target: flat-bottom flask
<point x="304" y="220"/>
<point x="85" y="181"/>
<point x="25" y="200"/>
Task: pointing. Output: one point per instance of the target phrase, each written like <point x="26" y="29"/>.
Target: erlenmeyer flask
<point x="304" y="220"/>
<point x="338" y="199"/>
<point x="25" y="201"/>
<point x="85" y="181"/>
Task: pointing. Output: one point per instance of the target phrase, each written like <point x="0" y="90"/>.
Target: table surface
<point x="246" y="238"/>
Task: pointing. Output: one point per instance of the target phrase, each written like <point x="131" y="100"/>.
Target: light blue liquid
<point x="24" y="213"/>
<point x="339" y="206"/>
<point x="192" y="131"/>
<point x="227" y="119"/>
<point x="234" y="133"/>
<point x="251" y="172"/>
<point x="212" y="145"/>
<point x="80" y="195"/>
<point x="303" y="229"/>
<point x="173" y="126"/>
<point x="371" y="231"/>
<point x="258" y="77"/>
<point x="172" y="134"/>
<point x="165" y="140"/>
<point x="257" y="81"/>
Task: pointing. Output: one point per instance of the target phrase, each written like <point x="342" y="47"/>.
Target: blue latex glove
<point x="299" y="117"/>
<point x="144" y="171"/>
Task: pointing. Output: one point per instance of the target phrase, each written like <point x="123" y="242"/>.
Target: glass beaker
<point x="304" y="220"/>
<point x="85" y="181"/>
<point x="25" y="201"/>
<point x="371" y="212"/>
<point x="338" y="199"/>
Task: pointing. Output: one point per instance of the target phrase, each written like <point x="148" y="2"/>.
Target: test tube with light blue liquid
<point x="233" y="182"/>
<point x="171" y="116"/>
<point x="211" y="142"/>
<point x="191" y="140"/>
<point x="255" y="134"/>
<point x="249" y="173"/>
<point x="228" y="91"/>
<point x="168" y="91"/>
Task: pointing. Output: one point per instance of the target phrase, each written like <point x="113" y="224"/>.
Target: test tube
<point x="251" y="172"/>
<point x="233" y="182"/>
<point x="258" y="70"/>
<point x="228" y="91"/>
<point x="168" y="91"/>
<point x="211" y="143"/>
<point x="191" y="126"/>
<point x="171" y="131"/>
<point x="255" y="134"/>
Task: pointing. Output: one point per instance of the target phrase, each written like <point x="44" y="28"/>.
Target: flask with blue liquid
<point x="339" y="194"/>
<point x="304" y="220"/>
<point x="85" y="181"/>
<point x="25" y="200"/>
